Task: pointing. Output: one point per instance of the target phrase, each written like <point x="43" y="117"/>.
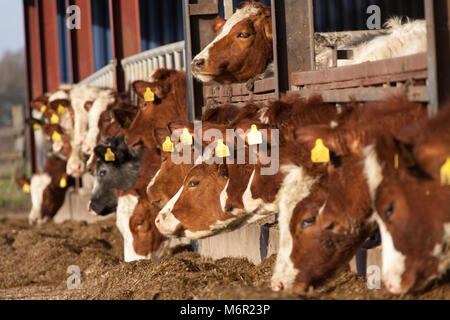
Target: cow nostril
<point x="228" y="208"/>
<point x="279" y="286"/>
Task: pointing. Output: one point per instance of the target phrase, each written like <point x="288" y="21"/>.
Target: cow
<point x="104" y="100"/>
<point x="117" y="166"/>
<point x="398" y="40"/>
<point x="240" y="193"/>
<point x="81" y="97"/>
<point x="326" y="230"/>
<point x="242" y="49"/>
<point x="47" y="189"/>
<point x="410" y="197"/>
<point x="162" y="100"/>
<point x="138" y="207"/>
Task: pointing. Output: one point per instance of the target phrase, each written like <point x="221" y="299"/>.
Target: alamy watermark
<point x="373" y="277"/>
<point x="374" y="20"/>
<point x="73" y="19"/>
<point x="74" y="280"/>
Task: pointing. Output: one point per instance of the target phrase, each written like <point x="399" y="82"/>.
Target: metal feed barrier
<point x="140" y="66"/>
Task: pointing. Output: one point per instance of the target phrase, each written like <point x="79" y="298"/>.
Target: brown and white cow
<point x="326" y="230"/>
<point x="242" y="48"/>
<point x="412" y="204"/>
<point x="137" y="211"/>
<point x="166" y="102"/>
<point x="237" y="193"/>
<point x="47" y="190"/>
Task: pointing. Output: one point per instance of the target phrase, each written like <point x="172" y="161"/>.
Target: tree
<point x="12" y="83"/>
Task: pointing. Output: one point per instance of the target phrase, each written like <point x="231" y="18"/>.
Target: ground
<point x="34" y="262"/>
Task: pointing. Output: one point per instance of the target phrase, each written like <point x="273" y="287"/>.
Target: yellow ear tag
<point x="54" y="119"/>
<point x="320" y="153"/>
<point x="167" y="145"/>
<point x="37" y="126"/>
<point x="109" y="155"/>
<point x="186" y="137"/>
<point x="63" y="183"/>
<point x="149" y="96"/>
<point x="56" y="136"/>
<point x="61" y="109"/>
<point x="127" y="123"/>
<point x="445" y="173"/>
<point x="254" y="136"/>
<point x="43" y="108"/>
<point x="26" y="188"/>
<point x="222" y="149"/>
<point x="396" y="161"/>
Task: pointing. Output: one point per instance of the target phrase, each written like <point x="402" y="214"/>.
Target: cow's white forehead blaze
<point x="38" y="183"/>
<point x="393" y="260"/>
<point x="168" y="223"/>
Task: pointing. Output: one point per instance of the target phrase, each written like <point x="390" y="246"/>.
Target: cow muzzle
<point x="168" y="225"/>
<point x="198" y="64"/>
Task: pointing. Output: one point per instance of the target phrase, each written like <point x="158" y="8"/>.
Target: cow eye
<point x="193" y="183"/>
<point x="243" y="35"/>
<point x="308" y="222"/>
<point x="389" y="211"/>
<point x="164" y="159"/>
<point x="144" y="104"/>
<point x="102" y="173"/>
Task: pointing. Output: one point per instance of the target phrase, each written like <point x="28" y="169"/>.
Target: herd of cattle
<point x="343" y="171"/>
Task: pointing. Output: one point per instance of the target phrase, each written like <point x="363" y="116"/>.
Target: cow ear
<point x="222" y="169"/>
<point x="39" y="102"/>
<point x="100" y="151"/>
<point x="22" y="181"/>
<point x="159" y="136"/>
<point x="124" y="117"/>
<point x="218" y="25"/>
<point x="179" y="125"/>
<point x="267" y="27"/>
<point x="88" y="105"/>
<point x="148" y="91"/>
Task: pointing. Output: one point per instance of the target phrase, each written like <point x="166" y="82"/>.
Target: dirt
<point x="34" y="263"/>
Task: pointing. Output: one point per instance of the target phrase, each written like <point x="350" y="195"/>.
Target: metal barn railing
<point x="141" y="65"/>
<point x="101" y="78"/>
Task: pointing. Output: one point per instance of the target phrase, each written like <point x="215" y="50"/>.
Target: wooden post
<point x="126" y="35"/>
<point x="293" y="36"/>
<point x="81" y="46"/>
<point x="48" y="18"/>
<point x="437" y="14"/>
<point x="198" y="21"/>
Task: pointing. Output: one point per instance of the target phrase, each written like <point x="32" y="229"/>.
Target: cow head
<point x="161" y="101"/>
<point x="242" y="48"/>
<point x="409" y="201"/>
<point x="117" y="167"/>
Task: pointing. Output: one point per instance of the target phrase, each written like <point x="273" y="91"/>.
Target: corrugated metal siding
<point x="161" y="22"/>
<point x="101" y="33"/>
<point x="344" y="15"/>
<point x="63" y="43"/>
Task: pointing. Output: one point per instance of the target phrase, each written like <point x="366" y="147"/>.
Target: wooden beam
<point x="81" y="46"/>
<point x="126" y="35"/>
<point x="198" y="21"/>
<point x="33" y="66"/>
<point x="48" y="18"/>
<point x="437" y="14"/>
<point x="293" y="32"/>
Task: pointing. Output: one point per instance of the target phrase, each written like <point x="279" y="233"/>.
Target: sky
<point x="11" y="25"/>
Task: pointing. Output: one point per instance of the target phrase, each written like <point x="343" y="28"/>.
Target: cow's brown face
<point x="146" y="237"/>
<point x="185" y="215"/>
<point x="414" y="222"/>
<point x="241" y="50"/>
